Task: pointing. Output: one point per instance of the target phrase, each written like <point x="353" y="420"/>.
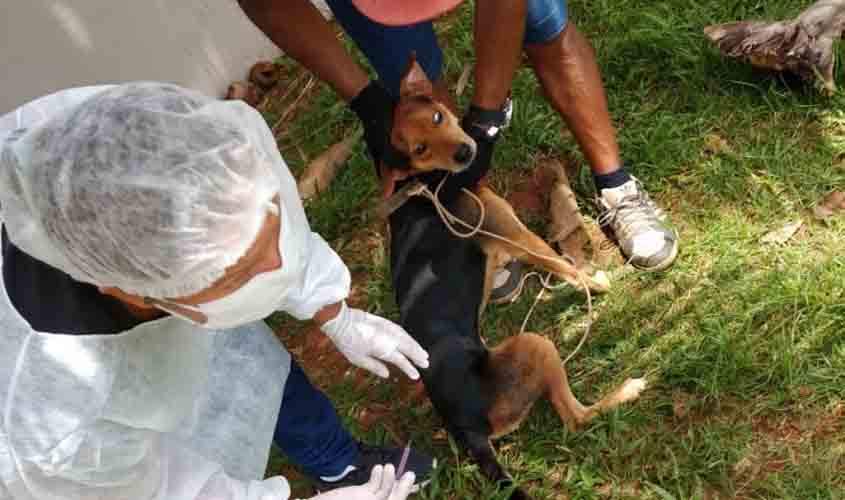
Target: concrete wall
<point x="48" y="45"/>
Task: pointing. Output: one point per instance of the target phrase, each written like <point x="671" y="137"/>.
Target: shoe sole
<point x="665" y="264"/>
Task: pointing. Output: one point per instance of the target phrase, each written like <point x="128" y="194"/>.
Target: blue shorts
<point x="387" y="47"/>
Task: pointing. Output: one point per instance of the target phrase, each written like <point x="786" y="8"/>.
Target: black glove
<point x="483" y="126"/>
<point x="374" y="107"/>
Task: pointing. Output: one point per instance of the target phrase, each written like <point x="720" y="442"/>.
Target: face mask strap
<point x="184" y="311"/>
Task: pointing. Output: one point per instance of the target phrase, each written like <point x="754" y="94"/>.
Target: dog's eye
<point x="420" y="149"/>
<point x="438" y="118"/>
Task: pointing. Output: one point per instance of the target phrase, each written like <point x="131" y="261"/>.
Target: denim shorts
<point x="387" y="47"/>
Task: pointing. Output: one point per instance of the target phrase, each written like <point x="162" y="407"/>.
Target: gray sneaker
<point x="639" y="226"/>
<point x="507" y="284"/>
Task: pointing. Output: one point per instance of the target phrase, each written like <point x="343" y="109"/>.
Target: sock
<point x="611" y="180"/>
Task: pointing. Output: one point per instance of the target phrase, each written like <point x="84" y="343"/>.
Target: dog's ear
<point x="414" y="81"/>
<point x="389" y="178"/>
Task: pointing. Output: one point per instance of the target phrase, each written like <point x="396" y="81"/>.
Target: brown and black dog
<point x="429" y="133"/>
<point x="485" y="393"/>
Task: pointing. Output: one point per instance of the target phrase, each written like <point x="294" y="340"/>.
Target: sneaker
<point x="639" y="226"/>
<point x="371" y="456"/>
<point x="507" y="284"/>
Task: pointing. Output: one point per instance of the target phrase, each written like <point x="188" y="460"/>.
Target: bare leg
<point x="567" y="70"/>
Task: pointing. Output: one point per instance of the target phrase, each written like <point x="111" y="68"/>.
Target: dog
<point x="429" y="134"/>
<point x="498" y="386"/>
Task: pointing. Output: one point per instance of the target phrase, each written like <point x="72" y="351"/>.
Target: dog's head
<point x="426" y="130"/>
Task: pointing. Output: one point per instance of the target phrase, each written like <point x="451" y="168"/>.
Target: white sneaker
<point x="639" y="226"/>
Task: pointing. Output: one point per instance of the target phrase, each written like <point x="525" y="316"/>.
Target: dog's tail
<point x="482" y="450"/>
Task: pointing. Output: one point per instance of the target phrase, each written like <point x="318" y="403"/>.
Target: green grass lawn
<point x="742" y="342"/>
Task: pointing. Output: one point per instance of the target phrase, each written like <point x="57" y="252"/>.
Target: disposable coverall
<point x="153" y="412"/>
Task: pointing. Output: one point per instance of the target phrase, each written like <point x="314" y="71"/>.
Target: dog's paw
<point x="631" y="389"/>
<point x="603" y="282"/>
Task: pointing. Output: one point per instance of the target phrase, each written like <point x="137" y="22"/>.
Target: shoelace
<point x="631" y="213"/>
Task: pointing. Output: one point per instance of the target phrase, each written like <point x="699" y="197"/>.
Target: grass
<point x="742" y="342"/>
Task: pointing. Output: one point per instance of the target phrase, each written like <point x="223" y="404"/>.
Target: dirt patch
<point x="781" y="441"/>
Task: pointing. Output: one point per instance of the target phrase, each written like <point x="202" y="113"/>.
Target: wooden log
<point x="322" y="169"/>
<point x="567" y="228"/>
<point x="803" y="45"/>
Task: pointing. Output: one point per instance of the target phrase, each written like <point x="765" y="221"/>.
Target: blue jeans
<point x="388" y="47"/>
<point x="309" y="430"/>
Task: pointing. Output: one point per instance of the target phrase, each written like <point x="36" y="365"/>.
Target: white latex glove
<point x="382" y="486"/>
<point x="368" y="341"/>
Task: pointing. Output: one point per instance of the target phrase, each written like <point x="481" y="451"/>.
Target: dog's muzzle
<point x="464" y="155"/>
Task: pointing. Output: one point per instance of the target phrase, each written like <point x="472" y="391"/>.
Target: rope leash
<point x="449" y="218"/>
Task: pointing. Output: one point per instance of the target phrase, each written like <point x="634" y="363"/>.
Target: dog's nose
<point x="464" y="153"/>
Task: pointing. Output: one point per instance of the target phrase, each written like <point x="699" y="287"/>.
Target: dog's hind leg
<point x="571" y="411"/>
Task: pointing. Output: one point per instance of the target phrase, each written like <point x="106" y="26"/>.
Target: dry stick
<point x="290" y="88"/>
<point x="463" y="80"/>
<point x="322" y="170"/>
<point x="446" y="216"/>
<point x="293" y="86"/>
<point x="294" y="104"/>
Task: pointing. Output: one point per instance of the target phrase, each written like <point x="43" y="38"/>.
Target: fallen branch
<point x="292" y="106"/>
<point x="803" y="45"/>
<point x="567" y="227"/>
<point x="463" y="80"/>
<point x="323" y="169"/>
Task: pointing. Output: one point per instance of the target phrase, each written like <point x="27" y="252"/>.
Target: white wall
<point x="48" y="45"/>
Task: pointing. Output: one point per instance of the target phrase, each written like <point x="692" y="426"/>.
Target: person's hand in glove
<point x="383" y="485"/>
<point x="374" y="107"/>
<point x="369" y="341"/>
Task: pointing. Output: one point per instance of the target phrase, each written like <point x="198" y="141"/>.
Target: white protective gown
<point x="165" y="410"/>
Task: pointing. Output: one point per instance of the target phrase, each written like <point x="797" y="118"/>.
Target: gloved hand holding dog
<point x="374" y="107"/>
<point x="369" y="341"/>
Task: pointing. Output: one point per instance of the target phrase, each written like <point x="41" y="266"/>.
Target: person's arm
<point x="298" y="28"/>
<point x="499" y="35"/>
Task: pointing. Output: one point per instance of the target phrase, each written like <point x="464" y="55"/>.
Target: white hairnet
<point x="146" y="186"/>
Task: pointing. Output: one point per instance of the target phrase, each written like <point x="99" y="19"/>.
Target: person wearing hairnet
<point x="147" y="231"/>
